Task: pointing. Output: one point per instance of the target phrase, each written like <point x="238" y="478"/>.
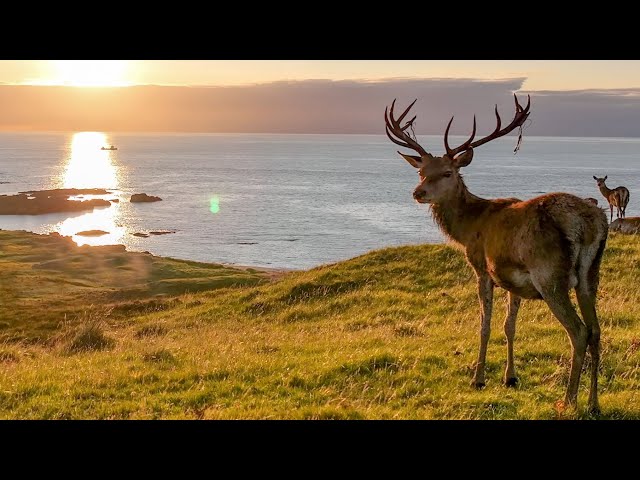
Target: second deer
<point x="618" y="197"/>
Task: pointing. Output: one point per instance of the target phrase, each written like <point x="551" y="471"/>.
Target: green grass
<point x="46" y="280"/>
<point x="388" y="335"/>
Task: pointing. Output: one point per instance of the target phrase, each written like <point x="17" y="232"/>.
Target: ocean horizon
<point x="291" y="201"/>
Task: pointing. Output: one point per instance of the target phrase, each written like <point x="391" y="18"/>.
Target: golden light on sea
<point x="104" y="219"/>
<point x="88" y="166"/>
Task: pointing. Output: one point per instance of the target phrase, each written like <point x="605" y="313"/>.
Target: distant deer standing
<point x="618" y="197"/>
<point x="537" y="249"/>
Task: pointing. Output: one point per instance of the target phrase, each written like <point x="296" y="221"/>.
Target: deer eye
<point x="446" y="174"/>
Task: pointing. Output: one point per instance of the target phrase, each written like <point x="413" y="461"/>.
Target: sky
<point x="539" y="74"/>
<point x="569" y="98"/>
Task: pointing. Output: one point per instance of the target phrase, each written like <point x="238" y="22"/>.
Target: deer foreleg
<point x="485" y="296"/>
<point x="510" y="378"/>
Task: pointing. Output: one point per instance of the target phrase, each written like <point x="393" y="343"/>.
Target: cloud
<point x="317" y="106"/>
<point x="586" y="113"/>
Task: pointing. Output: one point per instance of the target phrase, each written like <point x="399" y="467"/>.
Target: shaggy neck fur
<point x="457" y="214"/>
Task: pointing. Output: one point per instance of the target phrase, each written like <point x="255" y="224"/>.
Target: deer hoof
<point x="478" y="385"/>
<point x="511" y="382"/>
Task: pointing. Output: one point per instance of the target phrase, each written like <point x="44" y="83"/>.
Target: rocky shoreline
<point x="40" y="202"/>
<point x="50" y="201"/>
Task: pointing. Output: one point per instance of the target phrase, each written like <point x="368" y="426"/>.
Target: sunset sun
<point x="91" y="73"/>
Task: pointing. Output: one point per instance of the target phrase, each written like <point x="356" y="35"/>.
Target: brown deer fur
<point x="535" y="249"/>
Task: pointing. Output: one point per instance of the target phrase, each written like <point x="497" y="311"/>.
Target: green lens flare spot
<point x="214" y="204"/>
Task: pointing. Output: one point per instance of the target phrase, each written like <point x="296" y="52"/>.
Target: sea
<point x="285" y="201"/>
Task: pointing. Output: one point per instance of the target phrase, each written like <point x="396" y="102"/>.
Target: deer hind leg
<point x="485" y="295"/>
<point x="611" y="208"/>
<point x="586" y="291"/>
<point x="557" y="297"/>
<point x="510" y="378"/>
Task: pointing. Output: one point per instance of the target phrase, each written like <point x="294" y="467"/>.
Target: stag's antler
<point x="393" y="126"/>
<point x="518" y="119"/>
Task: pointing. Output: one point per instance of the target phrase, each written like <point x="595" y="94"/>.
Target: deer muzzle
<point x="420" y="195"/>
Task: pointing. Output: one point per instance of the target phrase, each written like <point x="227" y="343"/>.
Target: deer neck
<point x="605" y="191"/>
<point x="458" y="216"/>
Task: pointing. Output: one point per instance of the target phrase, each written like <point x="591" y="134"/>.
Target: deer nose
<point x="418" y="194"/>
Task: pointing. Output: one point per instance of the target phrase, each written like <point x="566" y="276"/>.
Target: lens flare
<point x="214" y="204"/>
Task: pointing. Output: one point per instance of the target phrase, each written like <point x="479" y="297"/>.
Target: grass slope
<point x="46" y="280"/>
<point x="388" y="335"/>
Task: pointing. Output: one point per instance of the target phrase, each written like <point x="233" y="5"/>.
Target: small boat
<point x="108" y="148"/>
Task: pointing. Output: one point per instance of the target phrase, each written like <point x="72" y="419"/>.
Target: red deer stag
<point x="618" y="197"/>
<point x="537" y="249"/>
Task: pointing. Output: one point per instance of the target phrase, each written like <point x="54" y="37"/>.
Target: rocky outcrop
<point x="143" y="197"/>
<point x="154" y="232"/>
<point x="92" y="233"/>
<point x="68" y="191"/>
<point x="46" y="201"/>
<point x="629" y="225"/>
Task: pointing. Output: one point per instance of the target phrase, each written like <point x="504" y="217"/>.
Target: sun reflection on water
<point x="100" y="219"/>
<point x="90" y="167"/>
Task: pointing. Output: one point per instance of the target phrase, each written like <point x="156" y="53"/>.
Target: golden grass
<point x="388" y="335"/>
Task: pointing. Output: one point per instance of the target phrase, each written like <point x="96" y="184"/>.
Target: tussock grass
<point x="388" y="335"/>
<point x="86" y="337"/>
<point x="8" y="357"/>
<point x="151" y="330"/>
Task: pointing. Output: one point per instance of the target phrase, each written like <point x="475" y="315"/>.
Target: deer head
<point x="600" y="181"/>
<point x="440" y="179"/>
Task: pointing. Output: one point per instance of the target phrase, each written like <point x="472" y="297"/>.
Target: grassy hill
<point x="46" y="280"/>
<point x="391" y="334"/>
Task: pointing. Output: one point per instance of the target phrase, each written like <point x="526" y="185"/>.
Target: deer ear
<point x="605" y="177"/>
<point x="414" y="160"/>
<point x="594" y="177"/>
<point x="463" y="159"/>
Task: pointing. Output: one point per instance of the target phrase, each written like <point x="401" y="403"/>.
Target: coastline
<point x="271" y="272"/>
<point x="48" y="279"/>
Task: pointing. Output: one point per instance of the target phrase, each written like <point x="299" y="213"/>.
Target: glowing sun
<point x="91" y="73"/>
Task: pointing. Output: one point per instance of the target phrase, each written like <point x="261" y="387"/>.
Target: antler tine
<point x="473" y="134"/>
<point x="518" y="106"/>
<point x="446" y="139"/>
<point x="389" y="129"/>
<point x="465" y="146"/>
<point x="519" y="118"/>
<point x="393" y="127"/>
<point x="397" y="142"/>
<point x="409" y="123"/>
<point x="498" y="120"/>
<point x="404" y="114"/>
